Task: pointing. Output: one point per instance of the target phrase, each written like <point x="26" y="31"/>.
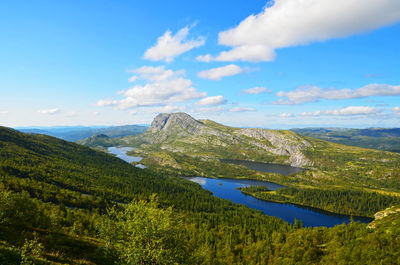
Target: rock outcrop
<point x="179" y="132"/>
<point x="287" y="143"/>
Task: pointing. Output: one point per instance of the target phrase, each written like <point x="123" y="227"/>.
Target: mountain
<point x="387" y="139"/>
<point x="178" y="143"/>
<point x="179" y="132"/>
<point x="76" y="133"/>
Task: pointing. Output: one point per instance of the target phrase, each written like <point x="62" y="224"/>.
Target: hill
<point x="367" y="180"/>
<point x="63" y="203"/>
<point x="185" y="145"/>
<point x="55" y="197"/>
<point x="387" y="139"/>
<point x="81" y="132"/>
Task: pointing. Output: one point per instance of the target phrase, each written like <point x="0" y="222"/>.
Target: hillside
<point x="184" y="145"/>
<point x="387" y="139"/>
<point x="55" y="197"/>
<point x="62" y="203"/>
<point x="77" y="133"/>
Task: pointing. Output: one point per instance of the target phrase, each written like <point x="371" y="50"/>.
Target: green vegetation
<point x="343" y="201"/>
<point x="74" y="134"/>
<point x="374" y="138"/>
<point x="178" y="144"/>
<point x="62" y="203"/>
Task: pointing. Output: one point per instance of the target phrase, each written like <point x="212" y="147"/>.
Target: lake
<point x="120" y="152"/>
<point x="227" y="189"/>
<point x="265" y="167"/>
<point x="311" y="217"/>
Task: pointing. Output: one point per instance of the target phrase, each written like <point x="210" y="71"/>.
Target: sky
<point x="269" y="64"/>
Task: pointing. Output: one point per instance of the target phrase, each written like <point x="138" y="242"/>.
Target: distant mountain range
<point x="387" y="139"/>
<point x="76" y="133"/>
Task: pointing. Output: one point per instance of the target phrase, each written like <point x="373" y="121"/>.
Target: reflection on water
<point x="120" y="152"/>
<point x="288" y="212"/>
<point x="266" y="167"/>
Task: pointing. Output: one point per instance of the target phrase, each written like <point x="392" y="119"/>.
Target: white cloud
<point x="162" y="87"/>
<point x="256" y="90"/>
<point x="49" y="111"/>
<point x="204" y="58"/>
<point x="158" y="73"/>
<point x="168" y="46"/>
<point x="396" y="110"/>
<point x="216" y="100"/>
<point x="300" y="22"/>
<point x="313" y="93"/>
<point x="240" y="109"/>
<point x="220" y="72"/>
<point x="3" y="111"/>
<point x="95" y="113"/>
<point x="348" y="111"/>
<point x="163" y="109"/>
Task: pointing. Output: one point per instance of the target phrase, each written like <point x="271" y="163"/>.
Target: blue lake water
<point x="311" y="217"/>
<point x="227" y="189"/>
<point x="120" y="152"/>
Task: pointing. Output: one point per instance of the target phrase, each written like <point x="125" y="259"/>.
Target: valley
<point x="61" y="197"/>
<point x="178" y="144"/>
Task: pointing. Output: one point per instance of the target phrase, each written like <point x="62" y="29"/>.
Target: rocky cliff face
<point x="287" y="143"/>
<point x="179" y="132"/>
<point x="166" y="121"/>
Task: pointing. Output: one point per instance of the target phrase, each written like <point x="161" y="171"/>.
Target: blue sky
<point x="279" y="64"/>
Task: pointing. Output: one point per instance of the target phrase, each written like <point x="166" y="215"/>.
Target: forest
<point x="63" y="203"/>
<point x="354" y="202"/>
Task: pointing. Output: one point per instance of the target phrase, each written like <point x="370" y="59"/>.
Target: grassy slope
<point x="220" y="232"/>
<point x="336" y="166"/>
<point x="374" y="138"/>
<point x="72" y="185"/>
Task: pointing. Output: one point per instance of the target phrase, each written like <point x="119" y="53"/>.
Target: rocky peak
<point x="166" y="121"/>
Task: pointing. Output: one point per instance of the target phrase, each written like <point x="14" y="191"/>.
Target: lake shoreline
<point x="307" y="206"/>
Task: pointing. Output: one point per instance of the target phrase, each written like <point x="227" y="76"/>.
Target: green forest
<point x="64" y="203"/>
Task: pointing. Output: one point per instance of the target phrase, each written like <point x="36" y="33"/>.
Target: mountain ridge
<point x="169" y="129"/>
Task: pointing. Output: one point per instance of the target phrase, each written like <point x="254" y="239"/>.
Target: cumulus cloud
<point x="49" y="111"/>
<point x="220" y="72"/>
<point x="216" y="100"/>
<point x="204" y="58"/>
<point x="162" y="87"/>
<point x="256" y="90"/>
<point x="240" y="109"/>
<point x="348" y="111"/>
<point x="300" y="22"/>
<point x="168" y="46"/>
<point x="306" y="94"/>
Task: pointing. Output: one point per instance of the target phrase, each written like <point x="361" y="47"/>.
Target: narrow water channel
<point x="311" y="217"/>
